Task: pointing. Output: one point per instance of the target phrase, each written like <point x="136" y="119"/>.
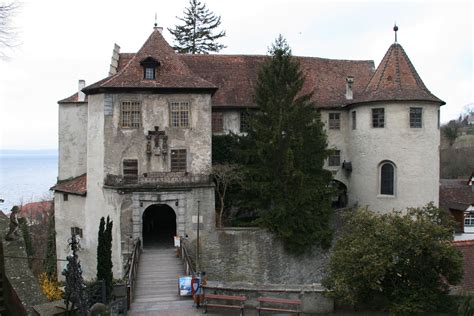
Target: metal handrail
<point x="188" y="262"/>
<point x="133" y="269"/>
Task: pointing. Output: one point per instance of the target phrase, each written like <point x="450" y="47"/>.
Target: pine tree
<point x="284" y="154"/>
<point x="196" y="35"/>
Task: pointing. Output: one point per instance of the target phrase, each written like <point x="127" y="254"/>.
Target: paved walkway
<point x="156" y="291"/>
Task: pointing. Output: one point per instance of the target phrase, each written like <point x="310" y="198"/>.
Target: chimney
<point x="114" y="61"/>
<point x="81" y="97"/>
<point x="349" y="82"/>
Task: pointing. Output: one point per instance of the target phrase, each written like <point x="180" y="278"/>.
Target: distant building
<point x="136" y="146"/>
<point x="457" y="197"/>
<point x="36" y="212"/>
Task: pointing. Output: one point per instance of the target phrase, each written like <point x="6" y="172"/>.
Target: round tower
<point x="393" y="139"/>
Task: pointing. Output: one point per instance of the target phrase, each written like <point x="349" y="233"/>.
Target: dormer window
<point x="150" y="66"/>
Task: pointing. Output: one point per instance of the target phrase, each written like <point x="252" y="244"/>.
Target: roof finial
<point x="395" y="29"/>
<point x="156" y="23"/>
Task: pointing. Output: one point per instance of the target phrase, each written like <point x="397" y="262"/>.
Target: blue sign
<point x="185" y="286"/>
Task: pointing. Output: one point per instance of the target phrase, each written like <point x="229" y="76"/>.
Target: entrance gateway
<point x="158" y="216"/>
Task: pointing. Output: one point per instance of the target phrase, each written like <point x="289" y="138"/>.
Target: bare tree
<point x="7" y="32"/>
<point x="224" y="175"/>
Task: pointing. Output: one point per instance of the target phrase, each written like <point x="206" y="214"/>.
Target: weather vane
<point x="156" y="23"/>
<point x="395" y="29"/>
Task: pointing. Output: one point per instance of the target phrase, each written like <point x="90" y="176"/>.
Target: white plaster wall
<point x="72" y="140"/>
<point x="414" y="151"/>
<point x="123" y="143"/>
<point x="67" y="214"/>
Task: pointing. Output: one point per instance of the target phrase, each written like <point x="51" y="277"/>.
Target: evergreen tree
<point x="101" y="252"/>
<point x="284" y="154"/>
<point x="196" y="35"/>
<point x="104" y="254"/>
<point x="108" y="262"/>
<point x="50" y="262"/>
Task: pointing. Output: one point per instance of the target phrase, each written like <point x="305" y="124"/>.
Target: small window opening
<point x="76" y="231"/>
<point x="65" y="197"/>
<point x="150" y="66"/>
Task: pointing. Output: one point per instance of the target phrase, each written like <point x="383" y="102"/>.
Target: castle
<point x="136" y="146"/>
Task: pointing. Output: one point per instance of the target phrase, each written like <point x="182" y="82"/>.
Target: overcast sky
<point x="63" y="41"/>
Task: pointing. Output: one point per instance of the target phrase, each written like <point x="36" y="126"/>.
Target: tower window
<point x="378" y="118"/>
<point x="387" y="178"/>
<point x="354" y="120"/>
<point x="416" y="117"/>
<point x="334" y="120"/>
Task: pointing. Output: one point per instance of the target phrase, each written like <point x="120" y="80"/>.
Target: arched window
<point x="387" y="178"/>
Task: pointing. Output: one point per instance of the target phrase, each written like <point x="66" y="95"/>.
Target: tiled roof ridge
<point x="397" y="65"/>
<point x="265" y="56"/>
<point x="414" y="72"/>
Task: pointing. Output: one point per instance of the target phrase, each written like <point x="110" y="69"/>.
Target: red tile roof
<point x="467" y="249"/>
<point x="77" y="185"/>
<point x="172" y="72"/>
<point x="455" y="194"/>
<point x="236" y="77"/>
<point x="72" y="99"/>
<point x="396" y="79"/>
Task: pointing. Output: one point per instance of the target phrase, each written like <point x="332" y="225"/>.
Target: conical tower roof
<point x="172" y="73"/>
<point x="396" y="79"/>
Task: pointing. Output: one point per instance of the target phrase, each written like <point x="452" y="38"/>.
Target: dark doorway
<point x="339" y="199"/>
<point x="159" y="226"/>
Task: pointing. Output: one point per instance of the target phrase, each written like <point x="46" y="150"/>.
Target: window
<point x="65" y="197"/>
<point x="335" y="158"/>
<point x="217" y="122"/>
<point x="334" y="120"/>
<point x="244" y="122"/>
<point x="149" y="65"/>
<point x="130" y="171"/>
<point x="149" y="73"/>
<point x="439" y="118"/>
<point x="354" y="121"/>
<point x="180" y="114"/>
<point x="387" y="179"/>
<point x="415" y="117"/>
<point x="378" y="118"/>
<point x="178" y="160"/>
<point x="469" y="220"/>
<point x="130" y="114"/>
<point x="76" y="231"/>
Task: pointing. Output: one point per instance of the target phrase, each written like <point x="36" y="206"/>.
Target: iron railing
<point x="189" y="266"/>
<point x="131" y="274"/>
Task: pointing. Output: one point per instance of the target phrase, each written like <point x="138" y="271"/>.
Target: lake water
<point x="26" y="176"/>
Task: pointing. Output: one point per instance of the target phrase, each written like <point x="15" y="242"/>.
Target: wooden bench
<point x="217" y="297"/>
<point x="266" y="302"/>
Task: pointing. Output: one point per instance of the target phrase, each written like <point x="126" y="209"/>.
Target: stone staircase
<point x="156" y="289"/>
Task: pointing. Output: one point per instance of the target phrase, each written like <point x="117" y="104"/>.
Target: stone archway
<point x="158" y="226"/>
